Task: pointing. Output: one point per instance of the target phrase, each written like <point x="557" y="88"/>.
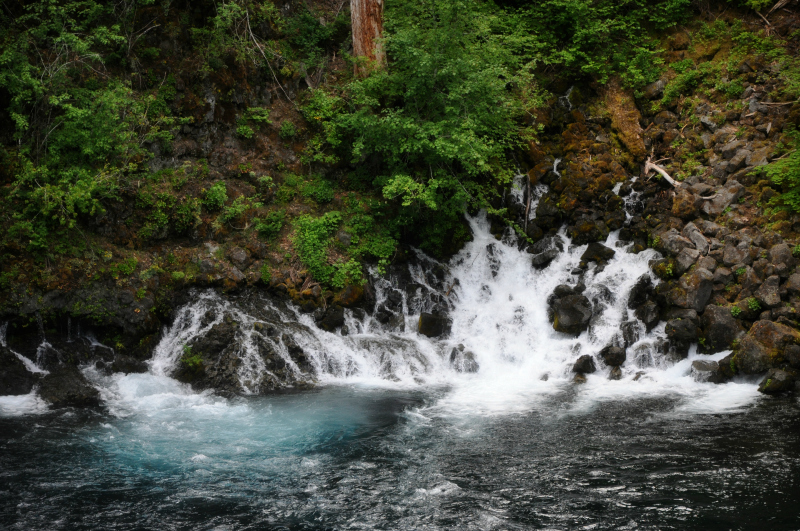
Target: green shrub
<point x="269" y="226"/>
<point x="736" y="311"/>
<point x="124" y="268"/>
<point x="785" y="174"/>
<point x="287" y="130"/>
<point x="215" y="197"/>
<point x="192" y="362"/>
<point x="318" y="189"/>
<point x="753" y="304"/>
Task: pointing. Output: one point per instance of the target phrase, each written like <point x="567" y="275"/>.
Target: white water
<point x="498" y="311"/>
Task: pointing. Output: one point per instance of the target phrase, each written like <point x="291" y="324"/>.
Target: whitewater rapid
<point x="498" y="308"/>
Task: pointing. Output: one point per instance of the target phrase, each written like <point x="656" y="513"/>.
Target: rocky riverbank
<point x="727" y="279"/>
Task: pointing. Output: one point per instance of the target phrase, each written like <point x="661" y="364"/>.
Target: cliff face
<point x="220" y="202"/>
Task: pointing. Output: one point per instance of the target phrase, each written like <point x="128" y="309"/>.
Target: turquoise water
<point x="346" y="457"/>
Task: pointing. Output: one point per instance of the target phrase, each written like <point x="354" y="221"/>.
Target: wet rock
<point x="734" y="255"/>
<point x="641" y="291"/>
<point x="67" y="387"/>
<point x="463" y="360"/>
<point x="776" y="381"/>
<point x="584" y="365"/>
<point x="681" y="331"/>
<point x="615" y="373"/>
<point x="579" y="379"/>
<point x="613" y="355"/>
<point x="648" y="314"/>
<point x="737" y="162"/>
<point x="433" y="325"/>
<point x="694" y="290"/>
<point x="542" y="260"/>
<point x="768" y="294"/>
<point x="630" y="332"/>
<point x="706" y="371"/>
<point x="719" y="328"/>
<point x="597" y="252"/>
<point x="296" y="352"/>
<point x="15" y="378"/>
<point x="128" y="365"/>
<point x="350" y="296"/>
<point x="333" y="319"/>
<point x="723" y="275"/>
<point x="572" y="314"/>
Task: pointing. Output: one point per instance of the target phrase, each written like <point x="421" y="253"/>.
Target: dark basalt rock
<point x="597" y="252"/>
<point x="67" y="387"/>
<point x="719" y="328"/>
<point x="433" y="325"/>
<point x="333" y="318"/>
<point x="706" y="371"/>
<point x="776" y="381"/>
<point x="613" y="355"/>
<point x="641" y="292"/>
<point x="615" y="374"/>
<point x="542" y="260"/>
<point x="127" y="365"/>
<point x="15" y="378"/>
<point x="648" y="314"/>
<point x="572" y="314"/>
<point x="584" y="365"/>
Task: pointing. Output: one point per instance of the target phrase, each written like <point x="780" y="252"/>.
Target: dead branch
<point x="650" y="166"/>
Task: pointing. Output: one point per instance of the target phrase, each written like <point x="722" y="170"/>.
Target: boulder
<point x="67" y="387"/>
<point x="542" y="260"/>
<point x="731" y="148"/>
<point x="641" y="291"/>
<point x="737" y="162"/>
<point x="698" y="286"/>
<point x="584" y="365"/>
<point x="791" y="354"/>
<point x="782" y="254"/>
<point x="613" y="355"/>
<point x="793" y="284"/>
<point x="681" y="331"/>
<point x="685" y="205"/>
<point x="648" y="314"/>
<point x="654" y="89"/>
<point x="706" y="371"/>
<point x="673" y="242"/>
<point x="128" y="365"/>
<point x="752" y="357"/>
<point x="597" y="252"/>
<point x="686" y="259"/>
<point x="719" y="328"/>
<point x="615" y="373"/>
<point x="693" y="233"/>
<point x="433" y="325"/>
<point x="333" y="318"/>
<point x="774" y="336"/>
<point x="768" y="294"/>
<point x="15" y="378"/>
<point x="571" y="314"/>
<point x="725" y="196"/>
<point x="776" y="381"/>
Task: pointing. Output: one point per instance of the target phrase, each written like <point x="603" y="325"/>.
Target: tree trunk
<point x="367" y="20"/>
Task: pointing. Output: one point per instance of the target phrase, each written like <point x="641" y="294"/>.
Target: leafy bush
<point x="215" y="197"/>
<point x="318" y="189"/>
<point x="287" y="130"/>
<point x="269" y="226"/>
<point x="311" y="241"/>
<point x="736" y="311"/>
<point x="192" y="362"/>
<point x="785" y="173"/>
<point x="753" y="304"/>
